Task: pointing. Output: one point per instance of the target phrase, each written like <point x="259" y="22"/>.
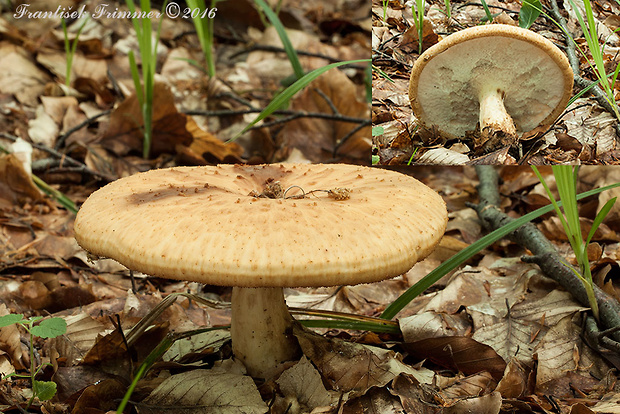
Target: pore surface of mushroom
<point x="262" y="228"/>
<point x="503" y="78"/>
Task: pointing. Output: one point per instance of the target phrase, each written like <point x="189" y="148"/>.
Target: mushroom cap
<point x="533" y="74"/>
<point x="203" y="224"/>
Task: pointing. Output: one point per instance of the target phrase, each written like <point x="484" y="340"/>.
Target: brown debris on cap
<point x="208" y="224"/>
<point x="498" y="77"/>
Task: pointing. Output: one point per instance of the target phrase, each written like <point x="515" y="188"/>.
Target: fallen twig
<point x="543" y="252"/>
<point x="571" y="52"/>
<point x="63" y="157"/>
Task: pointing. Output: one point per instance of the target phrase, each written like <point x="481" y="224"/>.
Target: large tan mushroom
<point x="501" y="78"/>
<point x="262" y="228"/>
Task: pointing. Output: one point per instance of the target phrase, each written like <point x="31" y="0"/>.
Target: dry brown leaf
<point x="204" y="391"/>
<point x="16" y="185"/>
<point x="302" y="387"/>
<point x="409" y="42"/>
<point x="514" y="382"/>
<point x="10" y="342"/>
<point x="19" y="76"/>
<point x="461" y="354"/>
<point x="42" y="129"/>
<point x="206" y="148"/>
<point x="488" y="404"/>
<point x="317" y="138"/>
<point x="375" y="401"/>
<point x="124" y="132"/>
<point x="355" y="368"/>
<point x="432" y="325"/>
<point x="82" y="332"/>
<point x="560" y="352"/>
<point x="517" y="333"/>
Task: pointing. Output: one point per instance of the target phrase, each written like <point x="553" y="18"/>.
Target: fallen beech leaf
<point x="488" y="404"/>
<point x="442" y="156"/>
<point x="206" y="148"/>
<point x="514" y="382"/>
<point x="205" y="392"/>
<point x="16" y="185"/>
<point x="19" y="75"/>
<point x="461" y="354"/>
<point x="376" y="401"/>
<point x="124" y="132"/>
<point x="558" y="354"/>
<point x="518" y="332"/>
<point x="302" y="384"/>
<point x="196" y="346"/>
<point x="409" y="42"/>
<point x="317" y="138"/>
<point x="10" y="341"/>
<point x="82" y="332"/>
<point x="354" y="367"/>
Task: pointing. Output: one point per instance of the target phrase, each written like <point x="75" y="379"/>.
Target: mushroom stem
<point x="496" y="126"/>
<point x="261" y="330"/>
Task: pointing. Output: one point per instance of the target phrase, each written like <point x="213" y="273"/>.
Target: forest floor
<point x="586" y="132"/>
<point x="496" y="335"/>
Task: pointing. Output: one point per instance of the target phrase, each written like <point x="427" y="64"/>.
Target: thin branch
<point x="61" y="139"/>
<point x="63" y="157"/>
<point x="291" y="115"/>
<point x="543" y="252"/>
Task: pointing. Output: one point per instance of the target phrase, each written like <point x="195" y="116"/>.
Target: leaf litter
<point x="585" y="133"/>
<point x="43" y="272"/>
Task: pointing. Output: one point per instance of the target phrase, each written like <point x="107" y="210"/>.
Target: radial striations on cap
<point x="208" y="224"/>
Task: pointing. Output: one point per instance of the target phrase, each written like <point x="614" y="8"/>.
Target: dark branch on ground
<point x="63" y="158"/>
<point x="545" y="256"/>
<point x="571" y="52"/>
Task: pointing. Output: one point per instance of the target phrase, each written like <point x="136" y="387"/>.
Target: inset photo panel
<point x="458" y="83"/>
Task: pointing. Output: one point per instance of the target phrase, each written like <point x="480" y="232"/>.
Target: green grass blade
<point x="565" y="180"/>
<point x="599" y="218"/>
<point x="286" y="42"/>
<point x="135" y="75"/>
<point x="489" y="16"/>
<point x="354" y="325"/>
<point x="289" y="92"/>
<point x="467" y="253"/>
<point x="530" y="10"/>
<point x="62" y="199"/>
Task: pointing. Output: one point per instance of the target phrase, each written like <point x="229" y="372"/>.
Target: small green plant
<point x="70" y="48"/>
<point x="283" y="97"/>
<point x="487" y="12"/>
<point x="291" y="53"/>
<point x="418" y="13"/>
<point x="203" y="22"/>
<point x="470" y="251"/>
<point x="385" y="6"/>
<point x="43" y="328"/>
<point x="566" y="181"/>
<point x="590" y="32"/>
<point x="530" y="10"/>
<point x="448" y="9"/>
<point x="148" y="53"/>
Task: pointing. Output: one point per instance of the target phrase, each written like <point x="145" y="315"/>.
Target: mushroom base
<point x="497" y="129"/>
<point x="261" y="330"/>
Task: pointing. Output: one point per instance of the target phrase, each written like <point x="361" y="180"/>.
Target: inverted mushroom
<point x="500" y="77"/>
<point x="262" y="228"/>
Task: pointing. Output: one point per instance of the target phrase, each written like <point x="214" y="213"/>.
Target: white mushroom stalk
<point x="261" y="330"/>
<point x="246" y="227"/>
<point x="494" y="119"/>
<point x="497" y="79"/>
